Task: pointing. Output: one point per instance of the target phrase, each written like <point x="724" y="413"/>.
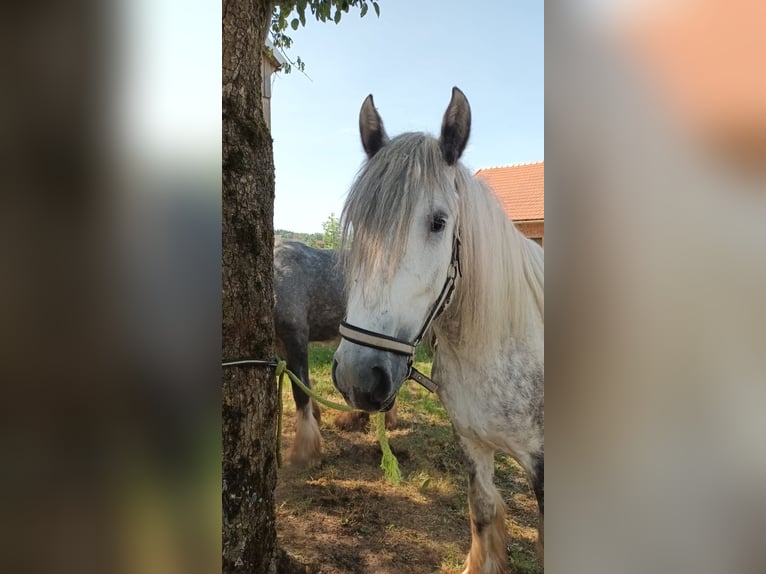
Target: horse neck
<point x="498" y="302"/>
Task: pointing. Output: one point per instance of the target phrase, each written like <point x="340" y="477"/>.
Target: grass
<point x="345" y="518"/>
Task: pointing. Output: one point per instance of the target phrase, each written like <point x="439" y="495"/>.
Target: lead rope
<point x="388" y="463"/>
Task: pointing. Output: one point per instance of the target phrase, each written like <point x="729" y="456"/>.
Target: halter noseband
<point x="398" y="346"/>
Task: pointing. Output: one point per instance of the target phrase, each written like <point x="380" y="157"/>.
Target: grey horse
<point x="309" y="285"/>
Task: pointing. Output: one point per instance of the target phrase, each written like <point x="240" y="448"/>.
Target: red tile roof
<point x="520" y="188"/>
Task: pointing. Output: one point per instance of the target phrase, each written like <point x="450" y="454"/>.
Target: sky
<point x="409" y="59"/>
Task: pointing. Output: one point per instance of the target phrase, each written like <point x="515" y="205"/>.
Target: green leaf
<point x="364" y="9"/>
<point x="377" y="8"/>
<point x="302" y="15"/>
<point x="295" y="23"/>
<point x="337" y="16"/>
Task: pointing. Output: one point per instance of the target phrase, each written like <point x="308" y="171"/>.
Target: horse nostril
<point x="381" y="383"/>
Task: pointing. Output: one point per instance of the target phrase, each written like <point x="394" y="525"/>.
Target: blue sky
<point x="409" y="59"/>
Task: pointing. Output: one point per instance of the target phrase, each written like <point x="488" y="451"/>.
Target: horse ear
<point x="371" y="128"/>
<point x="456" y="127"/>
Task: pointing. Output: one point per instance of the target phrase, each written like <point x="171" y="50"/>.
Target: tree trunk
<point x="249" y="401"/>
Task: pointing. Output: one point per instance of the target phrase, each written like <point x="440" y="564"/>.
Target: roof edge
<point x="510" y="165"/>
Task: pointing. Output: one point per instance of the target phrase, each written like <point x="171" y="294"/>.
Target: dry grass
<point x="344" y="518"/>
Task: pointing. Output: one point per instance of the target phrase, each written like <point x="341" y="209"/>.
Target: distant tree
<point x="310" y="239"/>
<point x="249" y="394"/>
<point x="331" y="237"/>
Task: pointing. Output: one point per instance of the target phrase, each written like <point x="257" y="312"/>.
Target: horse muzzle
<point x="368" y="379"/>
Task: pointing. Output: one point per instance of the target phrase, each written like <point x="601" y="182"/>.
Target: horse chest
<point x="474" y="412"/>
<point x="502" y="412"/>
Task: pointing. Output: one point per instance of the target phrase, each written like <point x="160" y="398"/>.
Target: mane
<point x="377" y="212"/>
<point x="502" y="271"/>
<point x="502" y="287"/>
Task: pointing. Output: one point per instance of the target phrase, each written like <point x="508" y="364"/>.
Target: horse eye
<point x="437" y="223"/>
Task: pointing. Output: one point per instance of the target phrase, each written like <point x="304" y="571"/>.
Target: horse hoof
<point x="353" y="422"/>
<point x="306" y="450"/>
<point x="304" y="455"/>
<point x="298" y="461"/>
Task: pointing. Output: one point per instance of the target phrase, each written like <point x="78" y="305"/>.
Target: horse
<point x="432" y="254"/>
<point x="309" y="287"/>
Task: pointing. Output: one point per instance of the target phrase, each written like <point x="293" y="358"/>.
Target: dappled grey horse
<point x="433" y="252"/>
<point x="309" y="286"/>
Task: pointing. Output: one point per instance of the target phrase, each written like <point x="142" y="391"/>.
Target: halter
<point x="398" y="346"/>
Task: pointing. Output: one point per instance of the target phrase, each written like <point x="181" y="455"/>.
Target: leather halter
<point x="398" y="346"/>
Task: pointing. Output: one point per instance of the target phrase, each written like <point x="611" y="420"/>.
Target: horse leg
<point x="316" y="411"/>
<point x="391" y="418"/>
<point x="306" y="449"/>
<point x="352" y="421"/>
<point x="360" y="422"/>
<point x="537" y="480"/>
<point x="488" y="553"/>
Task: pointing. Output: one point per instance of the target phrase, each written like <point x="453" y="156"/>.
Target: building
<point x="521" y="191"/>
<point x="272" y="61"/>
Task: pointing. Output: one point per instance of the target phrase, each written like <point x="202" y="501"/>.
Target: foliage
<point x="329" y="239"/>
<point x="331" y="235"/>
<point x="292" y="13"/>
<point x="310" y="239"/>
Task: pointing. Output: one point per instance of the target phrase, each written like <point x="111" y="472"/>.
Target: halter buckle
<point x="421" y="379"/>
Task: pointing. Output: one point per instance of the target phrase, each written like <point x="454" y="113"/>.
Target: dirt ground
<point x="343" y="517"/>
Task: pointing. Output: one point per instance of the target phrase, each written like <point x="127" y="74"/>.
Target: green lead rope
<point x="280" y="372"/>
<point x="389" y="464"/>
<point x="282" y="368"/>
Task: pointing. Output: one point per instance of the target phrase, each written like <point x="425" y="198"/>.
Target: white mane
<point x="503" y="271"/>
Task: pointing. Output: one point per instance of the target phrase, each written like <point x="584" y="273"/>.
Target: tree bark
<point x="249" y="401"/>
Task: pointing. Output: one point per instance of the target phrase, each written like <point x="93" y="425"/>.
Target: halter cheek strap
<point x="382" y="342"/>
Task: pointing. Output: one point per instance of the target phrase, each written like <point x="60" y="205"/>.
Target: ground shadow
<point x="343" y="517"/>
